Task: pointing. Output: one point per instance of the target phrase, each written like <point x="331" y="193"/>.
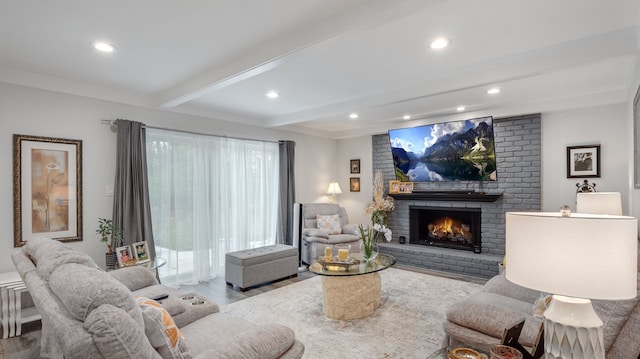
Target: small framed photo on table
<point x="125" y="258"/>
<point x="141" y="252"/>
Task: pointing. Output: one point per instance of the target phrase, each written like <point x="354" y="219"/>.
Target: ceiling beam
<point x="273" y="53"/>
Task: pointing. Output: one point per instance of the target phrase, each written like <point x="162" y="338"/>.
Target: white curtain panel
<point x="209" y="195"/>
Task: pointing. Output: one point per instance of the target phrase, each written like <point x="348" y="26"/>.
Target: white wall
<point x="354" y="202"/>
<point x="34" y="112"/>
<point x="606" y="126"/>
<point x="635" y="192"/>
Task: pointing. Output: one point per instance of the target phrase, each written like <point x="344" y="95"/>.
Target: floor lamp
<point x="577" y="257"/>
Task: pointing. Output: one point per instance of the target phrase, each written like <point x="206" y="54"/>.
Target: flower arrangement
<point x="381" y="205"/>
<point x="369" y="237"/>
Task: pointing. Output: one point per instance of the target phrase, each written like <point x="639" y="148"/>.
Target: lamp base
<point x="572" y="329"/>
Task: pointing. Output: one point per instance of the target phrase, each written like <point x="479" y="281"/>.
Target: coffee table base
<point x="351" y="297"/>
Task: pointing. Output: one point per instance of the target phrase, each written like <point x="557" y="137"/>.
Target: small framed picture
<point x="141" y="251"/>
<point x="125" y="258"/>
<point x="583" y="161"/>
<point x="406" y="187"/>
<point x="394" y="186"/>
<point x="355" y="166"/>
<point x="354" y="184"/>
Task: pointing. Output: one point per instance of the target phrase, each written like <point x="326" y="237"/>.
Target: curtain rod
<point x="113" y="123"/>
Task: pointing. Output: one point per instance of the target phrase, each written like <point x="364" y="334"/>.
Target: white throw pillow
<point x="329" y="223"/>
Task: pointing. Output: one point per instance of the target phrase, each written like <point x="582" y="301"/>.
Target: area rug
<point x="408" y="324"/>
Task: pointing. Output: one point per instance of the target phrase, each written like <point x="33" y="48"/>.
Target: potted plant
<point x="111" y="235"/>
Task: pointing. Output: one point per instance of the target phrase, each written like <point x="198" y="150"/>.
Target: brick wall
<point x="517" y="144"/>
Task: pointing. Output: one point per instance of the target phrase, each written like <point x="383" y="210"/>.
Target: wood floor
<point x="26" y="346"/>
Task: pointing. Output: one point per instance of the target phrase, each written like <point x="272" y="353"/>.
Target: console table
<point x="12" y="314"/>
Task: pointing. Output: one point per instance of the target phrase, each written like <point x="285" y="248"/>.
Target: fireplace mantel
<point x="460" y="196"/>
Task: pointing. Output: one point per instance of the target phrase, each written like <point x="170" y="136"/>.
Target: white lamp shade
<point x="584" y="255"/>
<point x="334" y="188"/>
<point x="599" y="203"/>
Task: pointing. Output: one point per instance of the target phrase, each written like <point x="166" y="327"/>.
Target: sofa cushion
<point x="208" y="338"/>
<point x="117" y="335"/>
<point x="161" y="330"/>
<point x="42" y="247"/>
<point x="491" y="314"/>
<point x="83" y="289"/>
<point x="48" y="264"/>
<point x="315" y="232"/>
<point x="329" y="223"/>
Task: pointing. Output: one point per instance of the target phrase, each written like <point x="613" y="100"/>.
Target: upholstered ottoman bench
<point x="250" y="267"/>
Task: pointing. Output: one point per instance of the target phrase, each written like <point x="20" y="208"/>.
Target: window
<point x="209" y="195"/>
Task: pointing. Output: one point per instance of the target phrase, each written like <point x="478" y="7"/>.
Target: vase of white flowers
<point x="368" y="246"/>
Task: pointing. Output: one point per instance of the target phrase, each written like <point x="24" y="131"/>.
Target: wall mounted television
<point x="450" y="151"/>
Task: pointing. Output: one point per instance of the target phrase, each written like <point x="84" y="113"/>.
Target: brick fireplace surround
<point x="517" y="143"/>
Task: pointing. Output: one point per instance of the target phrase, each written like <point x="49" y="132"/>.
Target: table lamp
<point x="599" y="203"/>
<point x="334" y="188"/>
<point x="577" y="257"/>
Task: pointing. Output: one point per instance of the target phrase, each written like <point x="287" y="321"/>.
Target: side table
<point x="13" y="315"/>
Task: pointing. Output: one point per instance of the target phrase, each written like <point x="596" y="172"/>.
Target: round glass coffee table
<point x="352" y="291"/>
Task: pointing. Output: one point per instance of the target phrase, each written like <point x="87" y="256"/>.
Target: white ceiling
<point x="326" y="58"/>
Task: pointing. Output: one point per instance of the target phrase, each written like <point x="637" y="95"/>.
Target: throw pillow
<point x="117" y="335"/>
<point x="161" y="330"/>
<point x="329" y="223"/>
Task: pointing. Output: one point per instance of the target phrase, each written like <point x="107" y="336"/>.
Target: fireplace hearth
<point x="455" y="228"/>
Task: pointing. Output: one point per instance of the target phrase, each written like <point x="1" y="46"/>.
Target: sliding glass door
<point x="209" y="195"/>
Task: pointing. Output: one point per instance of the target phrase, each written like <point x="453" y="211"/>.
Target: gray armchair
<point x="314" y="239"/>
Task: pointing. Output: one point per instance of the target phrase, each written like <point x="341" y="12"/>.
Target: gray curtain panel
<point x="131" y="209"/>
<point x="284" y="234"/>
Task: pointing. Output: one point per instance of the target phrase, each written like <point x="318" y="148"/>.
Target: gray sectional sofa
<point x="483" y="317"/>
<point x="89" y="313"/>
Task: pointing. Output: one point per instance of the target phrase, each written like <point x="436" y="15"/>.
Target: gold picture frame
<point x="406" y="187"/>
<point x="394" y="186"/>
<point x="47" y="188"/>
<point x="354" y="184"/>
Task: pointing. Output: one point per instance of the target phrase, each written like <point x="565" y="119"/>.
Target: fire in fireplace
<point x="456" y="228"/>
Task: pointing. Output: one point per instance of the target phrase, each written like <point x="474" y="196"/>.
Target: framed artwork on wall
<point x="583" y="161"/>
<point x="636" y="139"/>
<point x="47" y="188"/>
<point x="354" y="184"/>
<point x="355" y="166"/>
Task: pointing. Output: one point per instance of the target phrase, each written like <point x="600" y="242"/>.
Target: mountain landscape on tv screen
<point x="451" y="151"/>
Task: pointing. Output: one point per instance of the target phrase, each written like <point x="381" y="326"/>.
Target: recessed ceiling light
<point x="406" y="117"/>
<point x="493" y="91"/>
<point x="272" y="94"/>
<point x="460" y="108"/>
<point x="439" y="43"/>
<point x="353" y="115"/>
<point x="103" y="46"/>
